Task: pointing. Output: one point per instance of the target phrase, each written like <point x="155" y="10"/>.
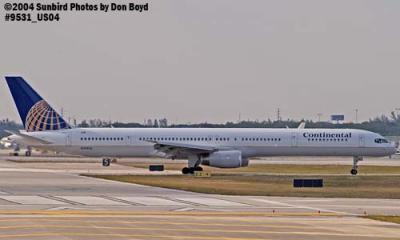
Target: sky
<point x="211" y="61"/>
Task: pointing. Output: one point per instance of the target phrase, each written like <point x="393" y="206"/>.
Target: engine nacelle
<point x="225" y="159"/>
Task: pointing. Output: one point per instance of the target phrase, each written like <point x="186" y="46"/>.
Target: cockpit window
<point x="381" y="140"/>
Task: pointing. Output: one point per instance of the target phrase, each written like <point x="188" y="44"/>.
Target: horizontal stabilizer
<point x="29" y="138"/>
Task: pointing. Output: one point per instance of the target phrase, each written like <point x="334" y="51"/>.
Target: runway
<point x="48" y="200"/>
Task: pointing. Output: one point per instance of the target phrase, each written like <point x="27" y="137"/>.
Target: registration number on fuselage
<point x="86" y="148"/>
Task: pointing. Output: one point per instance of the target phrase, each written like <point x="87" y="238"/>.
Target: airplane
<point x="16" y="142"/>
<point x="215" y="147"/>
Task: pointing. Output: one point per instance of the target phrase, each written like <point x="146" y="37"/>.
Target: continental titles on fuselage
<point x="327" y="135"/>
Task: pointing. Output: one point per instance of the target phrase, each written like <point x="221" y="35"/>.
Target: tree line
<point x="384" y="125"/>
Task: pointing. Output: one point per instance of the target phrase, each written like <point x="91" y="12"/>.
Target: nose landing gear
<point x="354" y="169"/>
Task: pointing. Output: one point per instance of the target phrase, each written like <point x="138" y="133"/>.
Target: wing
<point x="172" y="149"/>
<point x="28" y="138"/>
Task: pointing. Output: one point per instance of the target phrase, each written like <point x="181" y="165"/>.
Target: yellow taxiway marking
<point x="192" y="230"/>
<point x="55" y="234"/>
<point x="163" y="213"/>
<point x="149" y="222"/>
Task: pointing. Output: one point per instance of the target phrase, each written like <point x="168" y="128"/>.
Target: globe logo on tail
<point x="42" y="117"/>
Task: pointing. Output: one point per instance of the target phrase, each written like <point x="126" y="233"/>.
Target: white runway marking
<point x="297" y="206"/>
<point x="32" y="200"/>
<point x="152" y="201"/>
<point x="211" y="202"/>
<point x="90" y="200"/>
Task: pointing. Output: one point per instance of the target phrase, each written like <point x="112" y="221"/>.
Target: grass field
<point x="285" y="168"/>
<point x="393" y="219"/>
<point x="374" y="186"/>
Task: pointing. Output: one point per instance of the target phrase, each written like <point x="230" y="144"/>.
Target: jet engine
<point x="225" y="159"/>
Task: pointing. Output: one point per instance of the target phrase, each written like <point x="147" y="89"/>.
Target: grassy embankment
<point x="284" y="168"/>
<point x="393" y="219"/>
<point x="264" y="180"/>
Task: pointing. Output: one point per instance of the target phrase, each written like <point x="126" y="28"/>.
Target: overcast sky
<point x="196" y="61"/>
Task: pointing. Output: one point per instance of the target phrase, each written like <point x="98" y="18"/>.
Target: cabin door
<point x="128" y="140"/>
<point x="361" y="141"/>
<point x="294" y="139"/>
<point x="68" y="140"/>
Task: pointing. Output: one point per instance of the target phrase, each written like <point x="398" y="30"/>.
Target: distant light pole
<point x="319" y="116"/>
<point x="356" y="110"/>
<point x="278" y="114"/>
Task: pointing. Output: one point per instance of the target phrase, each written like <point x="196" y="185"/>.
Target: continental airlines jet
<point x="216" y="147"/>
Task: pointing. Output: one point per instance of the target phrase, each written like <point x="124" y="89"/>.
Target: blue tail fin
<point x="36" y="114"/>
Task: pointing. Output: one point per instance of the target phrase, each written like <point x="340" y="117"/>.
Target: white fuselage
<point x="139" y="142"/>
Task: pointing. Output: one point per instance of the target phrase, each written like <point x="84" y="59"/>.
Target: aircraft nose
<point x="392" y="149"/>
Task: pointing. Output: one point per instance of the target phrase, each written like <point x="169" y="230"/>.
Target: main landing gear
<point x="354" y="169"/>
<point x="28" y="152"/>
<point x="193" y="165"/>
<point x="187" y="170"/>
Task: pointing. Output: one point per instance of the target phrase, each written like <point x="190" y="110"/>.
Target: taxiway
<point x="44" y="200"/>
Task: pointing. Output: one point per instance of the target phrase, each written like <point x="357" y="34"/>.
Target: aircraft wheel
<point x="198" y="169"/>
<point x="28" y="153"/>
<point x="353" y="172"/>
<point x="106" y="162"/>
<point x="185" y="170"/>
